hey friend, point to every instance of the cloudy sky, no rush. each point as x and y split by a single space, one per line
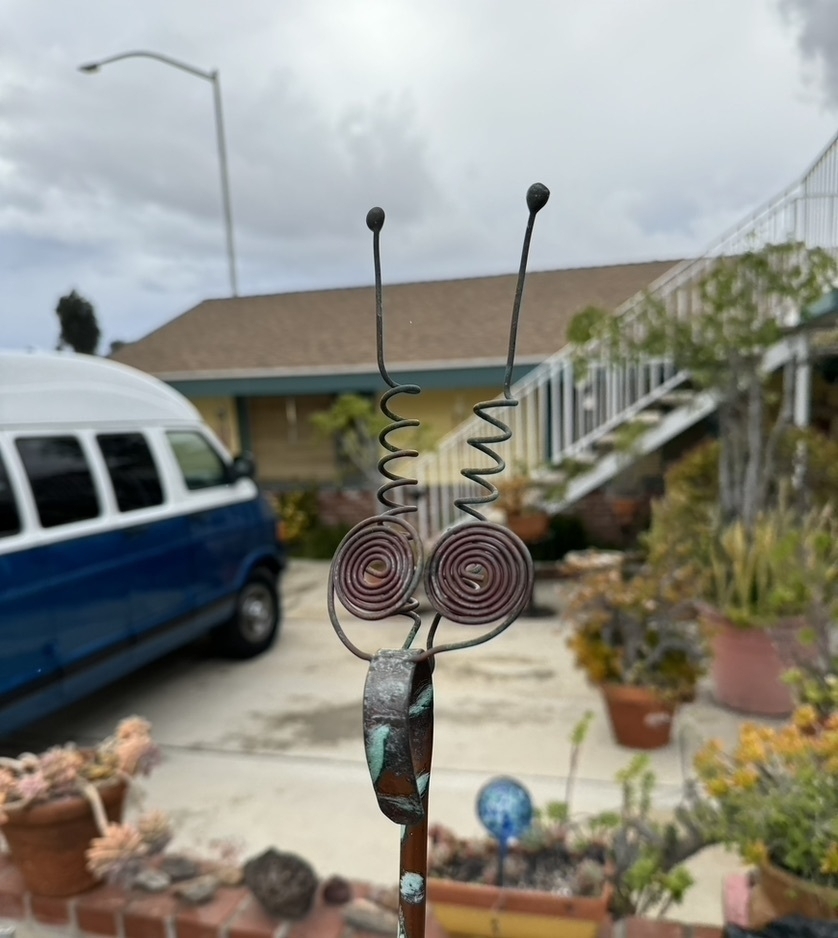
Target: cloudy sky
656 124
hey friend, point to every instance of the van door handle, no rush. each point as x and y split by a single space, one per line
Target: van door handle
137 531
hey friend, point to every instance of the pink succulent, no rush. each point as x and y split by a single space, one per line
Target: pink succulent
8 781
133 726
137 755
60 767
113 852
32 786
155 828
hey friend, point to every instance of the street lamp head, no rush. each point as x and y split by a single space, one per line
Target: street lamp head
91 68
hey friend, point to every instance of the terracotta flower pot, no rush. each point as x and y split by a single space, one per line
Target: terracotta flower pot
747 669
470 910
778 894
640 718
47 841
530 528
625 510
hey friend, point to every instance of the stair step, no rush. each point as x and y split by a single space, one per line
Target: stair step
649 418
677 398
645 419
588 459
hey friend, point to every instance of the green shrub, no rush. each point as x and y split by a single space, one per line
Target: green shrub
297 511
321 541
566 533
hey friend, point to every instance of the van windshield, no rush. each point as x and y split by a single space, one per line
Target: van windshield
201 466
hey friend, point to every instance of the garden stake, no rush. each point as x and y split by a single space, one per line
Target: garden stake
478 573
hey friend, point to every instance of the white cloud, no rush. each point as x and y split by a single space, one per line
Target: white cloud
655 124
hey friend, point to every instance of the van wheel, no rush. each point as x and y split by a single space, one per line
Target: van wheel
255 623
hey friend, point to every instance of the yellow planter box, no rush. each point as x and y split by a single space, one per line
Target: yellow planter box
467 910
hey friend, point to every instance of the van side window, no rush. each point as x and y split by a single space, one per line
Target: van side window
201 466
9 517
136 483
60 479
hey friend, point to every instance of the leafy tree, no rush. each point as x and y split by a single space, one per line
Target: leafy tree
354 423
79 328
741 304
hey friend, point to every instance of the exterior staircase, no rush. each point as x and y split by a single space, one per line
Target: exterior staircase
580 428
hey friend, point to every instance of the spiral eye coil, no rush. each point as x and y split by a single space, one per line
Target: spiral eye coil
377 567
479 573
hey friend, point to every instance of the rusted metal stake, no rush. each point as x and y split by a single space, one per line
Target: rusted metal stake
478 574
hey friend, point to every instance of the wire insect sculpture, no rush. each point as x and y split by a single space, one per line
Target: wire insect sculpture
477 574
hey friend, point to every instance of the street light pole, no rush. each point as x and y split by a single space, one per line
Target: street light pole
214 78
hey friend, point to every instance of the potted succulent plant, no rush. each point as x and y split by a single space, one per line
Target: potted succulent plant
755 584
568 874
520 497
60 811
551 879
777 797
638 639
764 584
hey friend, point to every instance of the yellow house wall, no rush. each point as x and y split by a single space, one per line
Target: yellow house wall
285 444
289 451
441 411
219 413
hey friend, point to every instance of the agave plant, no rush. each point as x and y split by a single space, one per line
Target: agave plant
779 568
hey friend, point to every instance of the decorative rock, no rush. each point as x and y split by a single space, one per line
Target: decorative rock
197 891
229 875
151 880
387 897
284 883
336 891
178 868
367 916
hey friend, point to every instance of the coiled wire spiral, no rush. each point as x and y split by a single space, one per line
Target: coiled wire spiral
537 196
481 572
378 565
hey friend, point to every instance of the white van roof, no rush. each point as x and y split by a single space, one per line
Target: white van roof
63 388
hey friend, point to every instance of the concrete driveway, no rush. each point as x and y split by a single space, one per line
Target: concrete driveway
269 752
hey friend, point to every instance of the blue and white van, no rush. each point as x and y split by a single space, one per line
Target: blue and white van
126 530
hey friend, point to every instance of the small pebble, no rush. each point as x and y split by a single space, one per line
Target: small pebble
336 891
229 875
367 916
178 868
197 891
387 897
151 880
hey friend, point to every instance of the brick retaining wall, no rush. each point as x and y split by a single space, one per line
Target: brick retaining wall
119 913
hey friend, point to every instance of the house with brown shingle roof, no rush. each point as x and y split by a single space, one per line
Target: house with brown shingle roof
258 367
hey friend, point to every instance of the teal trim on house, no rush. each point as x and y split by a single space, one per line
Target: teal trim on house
243 418
826 306
364 383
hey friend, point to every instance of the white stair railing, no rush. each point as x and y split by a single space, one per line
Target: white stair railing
562 414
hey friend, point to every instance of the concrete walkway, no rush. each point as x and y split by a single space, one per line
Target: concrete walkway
269 752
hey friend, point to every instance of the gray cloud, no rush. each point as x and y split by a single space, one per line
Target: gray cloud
654 129
817 25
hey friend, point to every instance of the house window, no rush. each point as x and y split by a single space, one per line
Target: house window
201 466
9 517
60 479
134 477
